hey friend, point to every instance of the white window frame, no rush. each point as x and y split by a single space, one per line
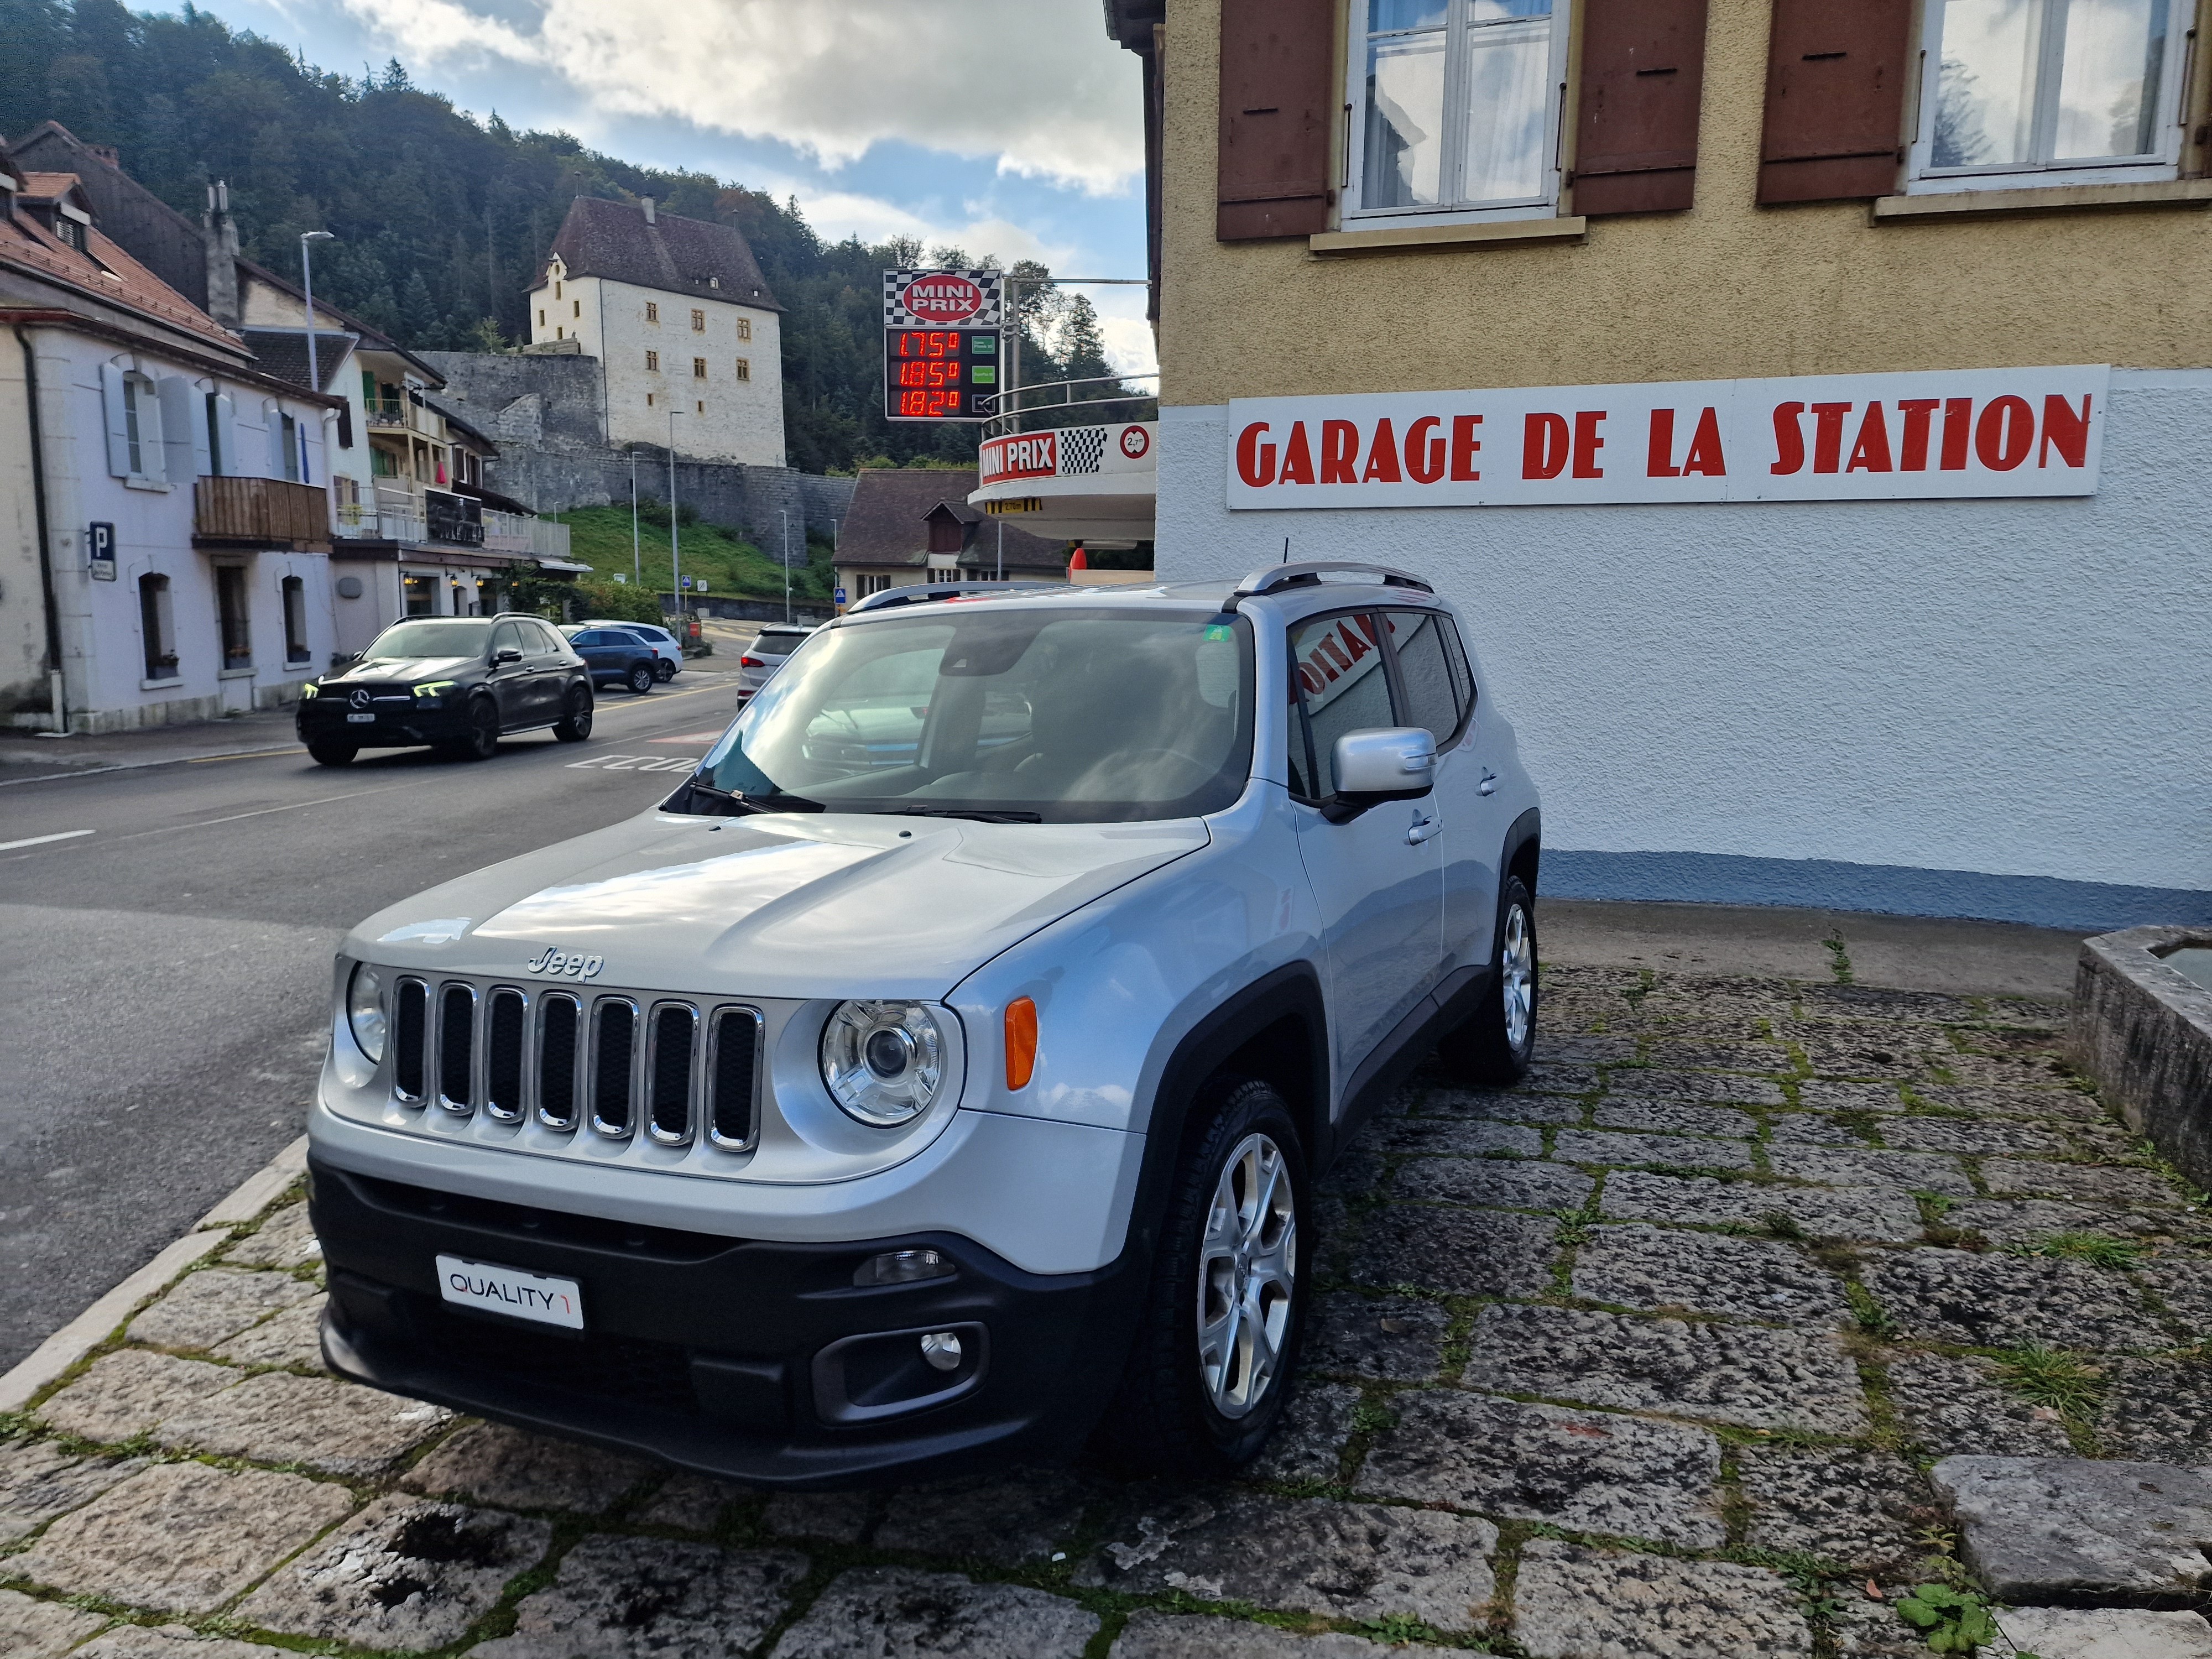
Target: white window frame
1923 179
1543 206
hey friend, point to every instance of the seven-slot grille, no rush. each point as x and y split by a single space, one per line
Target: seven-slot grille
675 1070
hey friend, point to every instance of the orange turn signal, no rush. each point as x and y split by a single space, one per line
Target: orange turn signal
1021 1041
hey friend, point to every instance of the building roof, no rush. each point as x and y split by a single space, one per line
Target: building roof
888 522
283 352
675 255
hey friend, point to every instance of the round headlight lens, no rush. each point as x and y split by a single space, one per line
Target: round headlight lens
365 1014
884 1062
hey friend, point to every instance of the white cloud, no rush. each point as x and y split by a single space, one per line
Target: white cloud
1035 85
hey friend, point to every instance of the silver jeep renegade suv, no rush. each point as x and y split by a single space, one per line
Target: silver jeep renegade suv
940 1074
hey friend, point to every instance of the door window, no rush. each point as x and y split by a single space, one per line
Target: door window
1342 688
505 637
1432 690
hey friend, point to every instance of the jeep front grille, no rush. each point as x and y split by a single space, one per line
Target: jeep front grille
680 1071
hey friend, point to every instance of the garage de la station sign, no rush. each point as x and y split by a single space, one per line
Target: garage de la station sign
1815 438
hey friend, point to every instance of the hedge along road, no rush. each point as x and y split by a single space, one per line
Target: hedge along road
166 974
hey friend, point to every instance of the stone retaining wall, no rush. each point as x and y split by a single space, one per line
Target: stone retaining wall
2144 1031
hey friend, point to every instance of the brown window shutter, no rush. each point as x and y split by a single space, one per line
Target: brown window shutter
1835 99
1636 121
1276 101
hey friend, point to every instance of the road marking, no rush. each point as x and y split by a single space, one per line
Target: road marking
40 840
251 754
261 812
690 737
636 763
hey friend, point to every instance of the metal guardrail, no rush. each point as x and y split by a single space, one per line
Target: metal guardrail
1067 398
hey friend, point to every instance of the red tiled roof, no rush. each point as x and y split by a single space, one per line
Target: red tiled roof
104 270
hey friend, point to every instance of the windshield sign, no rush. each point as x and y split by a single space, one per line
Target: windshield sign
462 637
1052 716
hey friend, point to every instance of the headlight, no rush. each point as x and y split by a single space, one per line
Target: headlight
884 1062
365 1014
308 691
435 688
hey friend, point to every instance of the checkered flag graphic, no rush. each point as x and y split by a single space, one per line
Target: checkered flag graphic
992 315
1082 449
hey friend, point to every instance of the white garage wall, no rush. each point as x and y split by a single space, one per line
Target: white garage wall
1982 708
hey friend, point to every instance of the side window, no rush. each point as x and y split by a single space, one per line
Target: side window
1339 669
505 637
547 641
1424 670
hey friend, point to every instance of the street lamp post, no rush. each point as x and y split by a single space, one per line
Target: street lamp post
307 284
636 558
675 552
784 513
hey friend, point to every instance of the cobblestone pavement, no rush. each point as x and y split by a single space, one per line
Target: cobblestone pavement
1758 1297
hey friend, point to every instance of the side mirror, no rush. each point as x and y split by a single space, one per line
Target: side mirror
505 654
1384 762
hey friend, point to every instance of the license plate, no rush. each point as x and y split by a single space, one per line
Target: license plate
511 1291
360 720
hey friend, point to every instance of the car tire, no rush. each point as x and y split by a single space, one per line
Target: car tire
1196 1400
640 678
663 669
331 754
483 740
575 724
1494 1044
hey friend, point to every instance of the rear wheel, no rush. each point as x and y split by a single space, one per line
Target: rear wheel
576 723
482 742
1219 1337
1495 1043
332 754
663 669
641 678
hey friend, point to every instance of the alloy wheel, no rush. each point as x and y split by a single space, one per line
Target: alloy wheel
1517 963
1248 1263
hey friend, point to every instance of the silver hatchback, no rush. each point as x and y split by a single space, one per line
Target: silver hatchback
765 655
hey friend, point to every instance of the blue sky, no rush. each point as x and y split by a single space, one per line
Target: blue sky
1005 126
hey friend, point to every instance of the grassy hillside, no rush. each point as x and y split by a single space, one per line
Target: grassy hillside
731 567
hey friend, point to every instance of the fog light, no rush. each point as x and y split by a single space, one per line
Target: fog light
942 1350
902 1268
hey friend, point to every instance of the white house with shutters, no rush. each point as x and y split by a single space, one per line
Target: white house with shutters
682 321
165 516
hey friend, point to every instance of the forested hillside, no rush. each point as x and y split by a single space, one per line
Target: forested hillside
441 222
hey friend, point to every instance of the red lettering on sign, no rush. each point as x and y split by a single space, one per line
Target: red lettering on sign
1383 456
1329 646
1353 642
1789 439
1464 443
2005 433
1871 452
1958 417
1828 436
1425 455
1543 446
1340 451
1298 456
1704 456
2065 431
1912 443
1587 443
1313 683
1659 455
1255 461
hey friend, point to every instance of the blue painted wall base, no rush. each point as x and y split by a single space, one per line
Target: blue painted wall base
1889 889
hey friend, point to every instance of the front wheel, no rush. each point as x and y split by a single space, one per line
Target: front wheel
331 754
1218 1336
575 724
482 742
641 678
1494 1045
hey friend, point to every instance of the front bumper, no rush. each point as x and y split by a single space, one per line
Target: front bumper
734 1358
316 723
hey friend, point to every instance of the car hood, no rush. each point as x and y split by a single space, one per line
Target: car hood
782 905
408 669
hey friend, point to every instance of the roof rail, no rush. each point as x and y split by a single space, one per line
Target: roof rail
922 593
1270 578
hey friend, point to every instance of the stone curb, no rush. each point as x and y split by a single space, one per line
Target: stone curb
89 1329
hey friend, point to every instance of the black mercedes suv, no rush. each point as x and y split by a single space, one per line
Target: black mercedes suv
458 683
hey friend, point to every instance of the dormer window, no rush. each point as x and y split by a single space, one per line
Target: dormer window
714 282
66 231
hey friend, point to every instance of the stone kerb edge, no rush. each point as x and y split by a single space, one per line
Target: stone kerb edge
55 1356
2143 1031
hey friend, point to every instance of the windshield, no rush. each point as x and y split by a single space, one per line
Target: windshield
459 638
1059 716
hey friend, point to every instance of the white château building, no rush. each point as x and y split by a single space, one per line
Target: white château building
682 321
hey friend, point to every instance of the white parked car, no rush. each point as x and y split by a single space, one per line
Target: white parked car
775 642
940 1074
667 650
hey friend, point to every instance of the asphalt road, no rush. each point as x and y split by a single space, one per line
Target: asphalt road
165 985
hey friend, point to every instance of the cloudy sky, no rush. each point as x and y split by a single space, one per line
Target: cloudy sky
1005 126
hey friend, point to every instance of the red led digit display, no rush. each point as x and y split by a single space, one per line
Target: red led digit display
941 374
929 405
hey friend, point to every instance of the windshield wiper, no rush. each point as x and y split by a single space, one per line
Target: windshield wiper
980 814
775 801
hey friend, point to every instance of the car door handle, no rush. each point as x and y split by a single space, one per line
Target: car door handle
1489 784
1422 828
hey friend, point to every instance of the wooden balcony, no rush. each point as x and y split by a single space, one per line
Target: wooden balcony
261 512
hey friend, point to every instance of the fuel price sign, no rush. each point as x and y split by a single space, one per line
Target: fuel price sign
941 345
